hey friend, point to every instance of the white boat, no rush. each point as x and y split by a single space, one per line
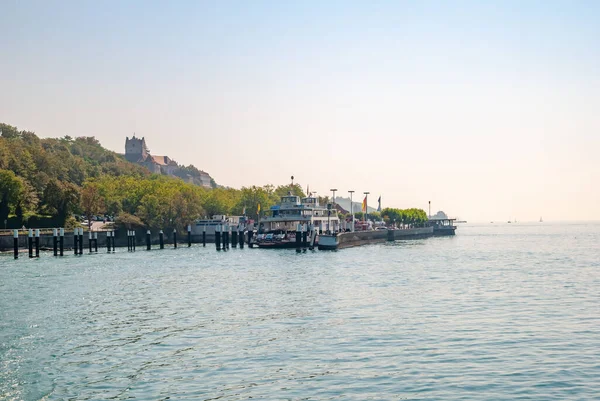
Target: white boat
278 230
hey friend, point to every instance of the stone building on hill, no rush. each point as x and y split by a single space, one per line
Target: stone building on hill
137 152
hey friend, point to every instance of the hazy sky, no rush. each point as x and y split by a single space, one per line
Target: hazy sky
491 110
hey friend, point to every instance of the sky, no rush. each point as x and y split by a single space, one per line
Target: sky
488 109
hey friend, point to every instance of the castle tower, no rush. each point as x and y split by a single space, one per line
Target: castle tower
135 149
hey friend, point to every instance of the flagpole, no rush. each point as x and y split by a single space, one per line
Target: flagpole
351 210
366 206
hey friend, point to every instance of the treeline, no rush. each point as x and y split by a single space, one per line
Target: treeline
404 217
160 202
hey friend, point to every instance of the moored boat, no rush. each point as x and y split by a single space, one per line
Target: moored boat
279 229
442 226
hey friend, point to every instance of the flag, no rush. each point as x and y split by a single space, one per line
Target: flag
258 209
364 205
379 201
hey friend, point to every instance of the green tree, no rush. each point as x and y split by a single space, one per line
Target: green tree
91 201
251 197
11 192
61 199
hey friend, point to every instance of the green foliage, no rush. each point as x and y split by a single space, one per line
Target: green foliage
11 192
129 221
50 172
91 201
404 217
159 202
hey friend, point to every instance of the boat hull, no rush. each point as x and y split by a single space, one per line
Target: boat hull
328 242
276 245
445 231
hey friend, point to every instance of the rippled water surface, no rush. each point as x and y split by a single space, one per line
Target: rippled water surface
498 312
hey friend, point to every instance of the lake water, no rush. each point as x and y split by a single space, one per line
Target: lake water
498 312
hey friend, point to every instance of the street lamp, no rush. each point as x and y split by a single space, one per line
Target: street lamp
329 218
366 205
333 190
351 211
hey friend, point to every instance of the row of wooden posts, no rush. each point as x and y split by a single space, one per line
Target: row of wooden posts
223 238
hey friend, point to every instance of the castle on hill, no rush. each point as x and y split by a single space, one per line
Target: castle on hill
137 152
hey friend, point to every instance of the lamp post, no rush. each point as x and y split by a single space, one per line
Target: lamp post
329 218
351 210
366 205
430 209
333 190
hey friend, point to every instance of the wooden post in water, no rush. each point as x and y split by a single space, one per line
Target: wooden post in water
148 242
37 242
108 241
90 241
133 240
55 241
218 237
241 235
61 241
81 241
175 238
161 239
204 235
224 236
298 238
16 243
304 236
313 235
96 241
250 235
75 244
30 242
189 227
233 237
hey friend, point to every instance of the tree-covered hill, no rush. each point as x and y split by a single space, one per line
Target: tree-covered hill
44 176
44 181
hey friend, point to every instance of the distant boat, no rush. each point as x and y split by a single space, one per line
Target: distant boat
541 221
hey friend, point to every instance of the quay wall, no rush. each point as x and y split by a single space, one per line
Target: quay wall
349 239
410 233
